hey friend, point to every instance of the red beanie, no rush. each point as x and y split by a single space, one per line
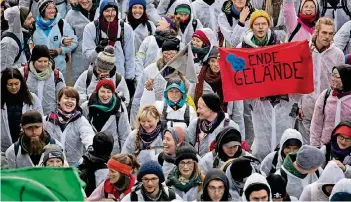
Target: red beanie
105 82
201 35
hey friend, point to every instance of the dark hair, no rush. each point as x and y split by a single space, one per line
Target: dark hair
143 19
108 87
69 92
14 73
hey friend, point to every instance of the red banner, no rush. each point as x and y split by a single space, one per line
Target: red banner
273 70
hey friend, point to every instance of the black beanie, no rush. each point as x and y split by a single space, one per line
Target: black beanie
345 75
231 135
185 151
171 44
24 12
103 144
212 101
40 51
255 187
278 186
241 168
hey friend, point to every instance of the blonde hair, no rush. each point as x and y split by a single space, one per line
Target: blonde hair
324 21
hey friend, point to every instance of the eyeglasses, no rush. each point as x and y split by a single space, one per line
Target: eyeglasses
188 163
216 189
342 138
153 180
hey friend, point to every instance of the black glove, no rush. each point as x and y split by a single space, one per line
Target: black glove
103 43
53 53
131 86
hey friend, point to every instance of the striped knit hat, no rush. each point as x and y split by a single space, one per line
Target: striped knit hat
106 59
42 4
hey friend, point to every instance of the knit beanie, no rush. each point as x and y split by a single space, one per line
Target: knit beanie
256 187
212 101
309 158
42 4
106 59
151 167
31 118
53 151
178 133
24 12
278 186
104 82
137 2
40 51
202 36
240 169
257 14
103 144
183 8
185 151
213 53
231 135
171 44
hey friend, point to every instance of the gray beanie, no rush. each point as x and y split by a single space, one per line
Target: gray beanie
53 151
309 157
106 59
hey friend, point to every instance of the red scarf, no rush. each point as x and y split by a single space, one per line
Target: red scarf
309 20
110 28
340 94
111 188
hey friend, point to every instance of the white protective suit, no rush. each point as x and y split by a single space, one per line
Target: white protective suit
343 185
256 178
331 175
339 16
266 164
343 37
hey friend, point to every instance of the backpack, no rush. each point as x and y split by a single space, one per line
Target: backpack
171 195
343 6
197 137
60 25
293 33
121 36
90 76
14 37
17 144
255 163
194 23
164 120
149 29
57 78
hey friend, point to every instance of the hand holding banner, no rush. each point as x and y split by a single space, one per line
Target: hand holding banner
259 72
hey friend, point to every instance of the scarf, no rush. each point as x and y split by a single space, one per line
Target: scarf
110 28
112 189
214 80
65 118
168 158
309 20
161 36
41 76
174 179
200 53
289 166
148 138
43 24
207 126
339 93
258 42
106 107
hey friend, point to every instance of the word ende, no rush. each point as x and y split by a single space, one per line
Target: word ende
272 70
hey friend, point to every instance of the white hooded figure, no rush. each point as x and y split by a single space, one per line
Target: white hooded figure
187 19
321 189
256 188
338 11
343 37
207 11
290 141
341 191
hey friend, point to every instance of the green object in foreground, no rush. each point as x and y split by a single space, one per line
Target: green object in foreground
41 184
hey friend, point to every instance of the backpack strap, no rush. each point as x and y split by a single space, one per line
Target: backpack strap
133 196
57 78
60 25
88 80
160 159
317 173
14 37
25 72
187 115
121 36
226 122
284 175
16 147
171 194
97 32
274 163
194 23
171 2
149 29
327 93
297 28
118 79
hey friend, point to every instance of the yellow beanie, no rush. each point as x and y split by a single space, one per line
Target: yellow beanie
257 14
